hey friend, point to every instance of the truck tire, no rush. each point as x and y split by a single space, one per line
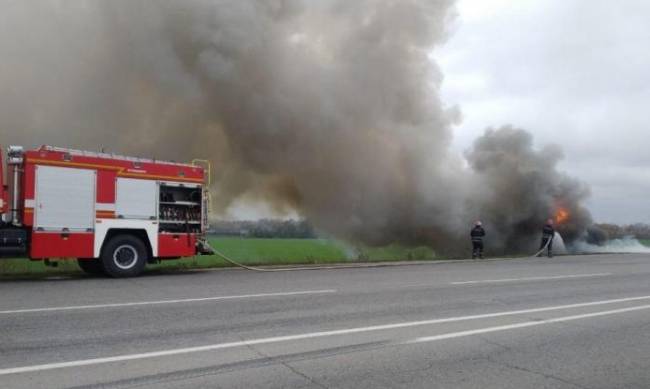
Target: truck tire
90 265
124 256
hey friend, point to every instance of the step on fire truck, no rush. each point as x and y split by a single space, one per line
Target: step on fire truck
114 214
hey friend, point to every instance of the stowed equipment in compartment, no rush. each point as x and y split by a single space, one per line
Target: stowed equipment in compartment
180 208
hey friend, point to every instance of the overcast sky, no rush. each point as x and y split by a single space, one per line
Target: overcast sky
572 72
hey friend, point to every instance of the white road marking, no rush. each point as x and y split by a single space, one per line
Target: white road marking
160 302
310 335
524 324
531 278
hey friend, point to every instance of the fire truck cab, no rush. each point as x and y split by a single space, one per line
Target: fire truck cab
114 214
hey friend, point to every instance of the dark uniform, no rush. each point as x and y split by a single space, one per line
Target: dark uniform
477 235
548 233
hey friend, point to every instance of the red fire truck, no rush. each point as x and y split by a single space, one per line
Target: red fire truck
114 214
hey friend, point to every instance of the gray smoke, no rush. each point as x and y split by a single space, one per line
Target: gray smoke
517 188
330 108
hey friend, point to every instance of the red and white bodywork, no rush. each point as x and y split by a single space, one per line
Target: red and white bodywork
70 203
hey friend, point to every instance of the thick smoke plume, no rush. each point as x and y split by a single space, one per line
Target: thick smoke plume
517 188
329 108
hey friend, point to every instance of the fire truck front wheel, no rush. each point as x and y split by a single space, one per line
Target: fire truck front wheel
124 256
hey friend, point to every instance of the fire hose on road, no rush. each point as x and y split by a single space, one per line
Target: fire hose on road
235 263
548 242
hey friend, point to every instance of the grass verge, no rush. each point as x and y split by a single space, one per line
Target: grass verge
249 251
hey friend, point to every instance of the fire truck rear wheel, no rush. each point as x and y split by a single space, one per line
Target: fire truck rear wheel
90 265
124 256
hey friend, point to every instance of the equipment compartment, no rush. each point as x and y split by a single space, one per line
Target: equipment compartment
180 208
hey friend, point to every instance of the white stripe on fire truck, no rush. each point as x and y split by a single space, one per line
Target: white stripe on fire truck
105 207
30 203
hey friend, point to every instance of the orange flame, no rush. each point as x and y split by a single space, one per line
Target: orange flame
562 215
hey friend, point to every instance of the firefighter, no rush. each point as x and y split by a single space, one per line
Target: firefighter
477 235
548 233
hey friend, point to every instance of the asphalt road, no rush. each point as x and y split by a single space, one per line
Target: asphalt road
568 322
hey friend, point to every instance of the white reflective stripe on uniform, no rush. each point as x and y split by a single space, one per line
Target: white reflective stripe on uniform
105 207
29 203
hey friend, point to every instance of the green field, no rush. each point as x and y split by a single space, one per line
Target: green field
250 252
645 242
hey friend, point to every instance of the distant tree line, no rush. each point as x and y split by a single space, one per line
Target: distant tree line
263 228
615 231
301 229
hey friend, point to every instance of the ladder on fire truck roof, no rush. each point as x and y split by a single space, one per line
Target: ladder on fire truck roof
109 156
